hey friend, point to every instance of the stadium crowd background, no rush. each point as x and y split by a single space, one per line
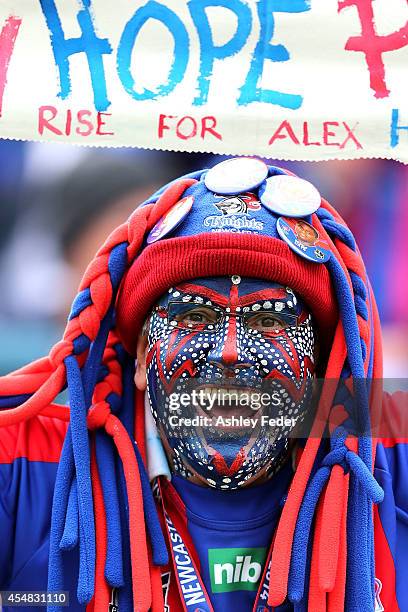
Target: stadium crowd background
59 202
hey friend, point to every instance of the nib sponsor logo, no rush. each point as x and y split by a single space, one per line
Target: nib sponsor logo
235 569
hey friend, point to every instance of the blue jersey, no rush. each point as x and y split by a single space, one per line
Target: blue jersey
232 532
29 455
391 526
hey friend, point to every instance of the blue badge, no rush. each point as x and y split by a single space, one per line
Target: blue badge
289 195
303 239
236 175
172 219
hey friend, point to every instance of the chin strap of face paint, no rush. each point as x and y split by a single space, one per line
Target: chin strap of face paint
103 509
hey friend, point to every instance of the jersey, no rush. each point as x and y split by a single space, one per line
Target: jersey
29 454
231 533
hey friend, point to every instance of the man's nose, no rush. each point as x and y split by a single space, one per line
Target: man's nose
226 354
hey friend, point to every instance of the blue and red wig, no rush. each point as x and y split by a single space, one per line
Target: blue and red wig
323 556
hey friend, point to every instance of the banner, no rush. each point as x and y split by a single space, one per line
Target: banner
288 79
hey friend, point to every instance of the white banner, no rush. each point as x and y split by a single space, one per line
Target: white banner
288 79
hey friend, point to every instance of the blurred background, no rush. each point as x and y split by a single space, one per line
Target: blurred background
58 203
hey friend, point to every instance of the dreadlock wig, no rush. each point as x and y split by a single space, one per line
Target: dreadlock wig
103 509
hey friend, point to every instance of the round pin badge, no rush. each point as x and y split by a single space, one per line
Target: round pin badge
236 175
172 219
290 196
303 239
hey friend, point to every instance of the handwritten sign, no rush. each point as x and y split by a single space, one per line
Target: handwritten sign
290 79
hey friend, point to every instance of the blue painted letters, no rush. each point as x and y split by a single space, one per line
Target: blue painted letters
88 43
209 52
153 10
251 91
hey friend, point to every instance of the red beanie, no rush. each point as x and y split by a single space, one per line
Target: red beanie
170 261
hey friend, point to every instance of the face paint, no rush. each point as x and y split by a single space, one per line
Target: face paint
228 338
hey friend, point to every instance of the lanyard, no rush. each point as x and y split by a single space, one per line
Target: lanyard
192 591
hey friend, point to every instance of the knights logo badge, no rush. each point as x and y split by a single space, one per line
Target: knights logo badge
238 204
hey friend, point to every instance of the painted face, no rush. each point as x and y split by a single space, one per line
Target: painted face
224 343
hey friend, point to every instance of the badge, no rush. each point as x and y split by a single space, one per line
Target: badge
171 219
243 204
236 175
304 239
290 196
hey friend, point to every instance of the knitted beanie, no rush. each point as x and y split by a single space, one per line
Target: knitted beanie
103 506
209 242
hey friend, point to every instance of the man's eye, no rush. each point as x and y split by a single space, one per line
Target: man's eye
266 322
197 317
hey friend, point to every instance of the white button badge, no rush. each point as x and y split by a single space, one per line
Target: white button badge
290 196
236 175
171 219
